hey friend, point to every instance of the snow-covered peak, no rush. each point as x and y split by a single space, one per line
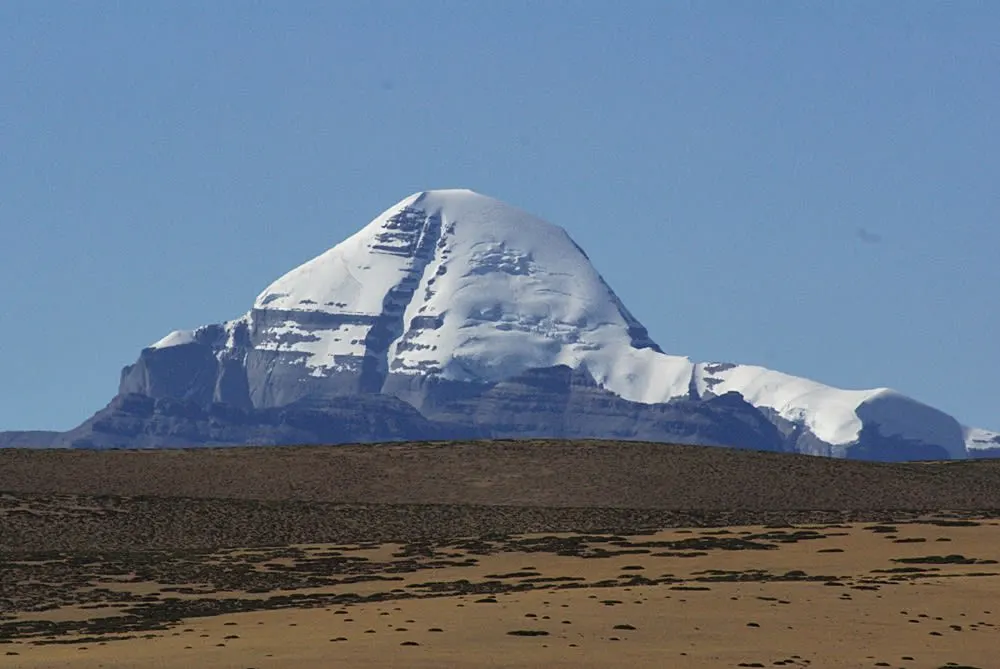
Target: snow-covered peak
470 288
355 275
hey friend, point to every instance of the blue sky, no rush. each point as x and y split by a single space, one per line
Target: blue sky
813 187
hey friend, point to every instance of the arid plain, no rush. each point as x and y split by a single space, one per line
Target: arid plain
499 554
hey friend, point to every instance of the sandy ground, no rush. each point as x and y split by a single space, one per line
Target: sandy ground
914 595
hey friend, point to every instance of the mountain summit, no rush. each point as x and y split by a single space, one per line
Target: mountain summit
460 286
453 314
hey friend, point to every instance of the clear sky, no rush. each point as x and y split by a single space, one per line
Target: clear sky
809 186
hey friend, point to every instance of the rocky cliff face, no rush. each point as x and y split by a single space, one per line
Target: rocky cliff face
454 315
550 402
140 421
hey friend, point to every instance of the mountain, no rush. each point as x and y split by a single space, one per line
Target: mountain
29 439
452 315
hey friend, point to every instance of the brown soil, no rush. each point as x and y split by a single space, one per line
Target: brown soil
622 475
916 595
501 554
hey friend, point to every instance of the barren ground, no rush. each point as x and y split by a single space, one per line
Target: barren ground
497 554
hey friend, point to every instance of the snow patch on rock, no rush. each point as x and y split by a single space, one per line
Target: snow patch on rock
978 438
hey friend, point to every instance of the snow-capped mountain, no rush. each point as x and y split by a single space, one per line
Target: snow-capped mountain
484 317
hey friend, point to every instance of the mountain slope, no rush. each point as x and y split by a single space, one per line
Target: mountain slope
449 298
